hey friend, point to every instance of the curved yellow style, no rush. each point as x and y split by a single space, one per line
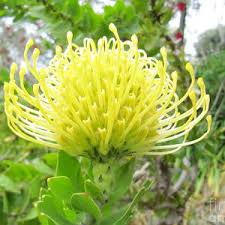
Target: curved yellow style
102 99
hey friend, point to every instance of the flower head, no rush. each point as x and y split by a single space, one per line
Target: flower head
179 36
104 99
181 6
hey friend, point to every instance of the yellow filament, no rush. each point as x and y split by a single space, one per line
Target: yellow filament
105 96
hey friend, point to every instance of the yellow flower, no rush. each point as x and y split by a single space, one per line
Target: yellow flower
102 99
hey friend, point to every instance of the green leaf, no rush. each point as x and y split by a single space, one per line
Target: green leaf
93 189
72 7
199 182
90 18
34 187
4 75
8 185
167 16
129 212
140 6
58 195
53 210
123 178
32 214
3 13
121 216
44 220
61 187
3 216
44 191
112 214
159 5
70 214
123 16
21 172
38 12
51 159
5 203
84 202
58 4
40 166
70 167
12 3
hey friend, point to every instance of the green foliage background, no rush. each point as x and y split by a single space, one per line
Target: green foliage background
194 174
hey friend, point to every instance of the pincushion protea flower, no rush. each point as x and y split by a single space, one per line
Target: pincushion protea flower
102 99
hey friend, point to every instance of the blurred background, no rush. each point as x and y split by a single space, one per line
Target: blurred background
189 186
